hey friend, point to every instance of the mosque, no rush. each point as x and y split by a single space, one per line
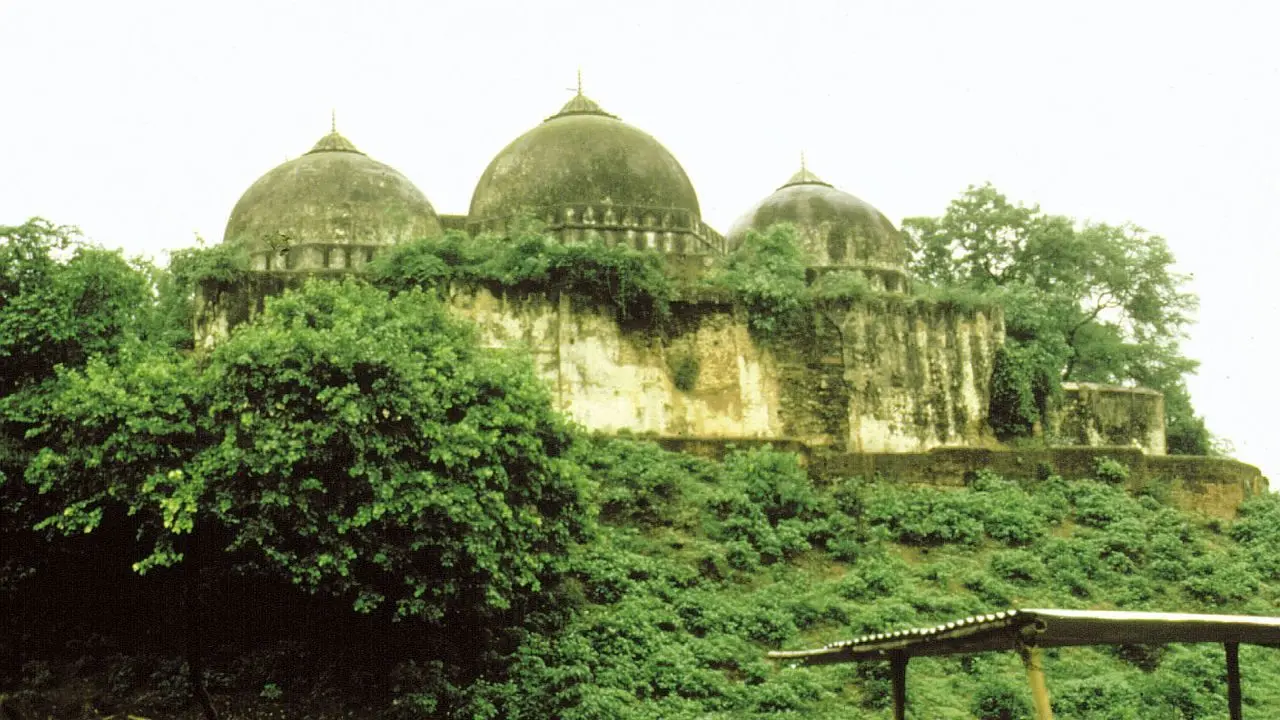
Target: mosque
893 373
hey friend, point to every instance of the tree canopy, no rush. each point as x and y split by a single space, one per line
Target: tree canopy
353 443
62 300
1084 301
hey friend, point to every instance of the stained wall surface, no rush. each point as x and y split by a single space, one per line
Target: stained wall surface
879 376
1098 415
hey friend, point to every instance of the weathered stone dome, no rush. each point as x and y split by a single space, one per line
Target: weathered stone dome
834 228
334 207
584 171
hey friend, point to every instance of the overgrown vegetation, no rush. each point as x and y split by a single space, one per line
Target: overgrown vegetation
1083 302
629 280
348 444
768 276
699 567
348 508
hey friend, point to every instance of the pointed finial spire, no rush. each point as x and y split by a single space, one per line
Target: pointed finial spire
580 104
333 120
804 177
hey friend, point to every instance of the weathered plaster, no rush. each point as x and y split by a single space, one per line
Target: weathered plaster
1093 414
894 376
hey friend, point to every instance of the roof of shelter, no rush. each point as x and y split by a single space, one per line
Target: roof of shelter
1011 629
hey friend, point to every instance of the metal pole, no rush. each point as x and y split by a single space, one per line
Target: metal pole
898 669
1034 662
1233 679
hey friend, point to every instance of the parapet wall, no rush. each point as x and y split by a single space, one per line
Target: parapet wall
875 375
1213 486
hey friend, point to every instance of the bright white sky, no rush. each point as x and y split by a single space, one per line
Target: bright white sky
142 122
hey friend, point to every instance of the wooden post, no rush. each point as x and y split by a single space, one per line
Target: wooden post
1233 679
898 669
1034 663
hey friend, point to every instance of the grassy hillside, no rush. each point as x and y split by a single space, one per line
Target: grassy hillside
699 567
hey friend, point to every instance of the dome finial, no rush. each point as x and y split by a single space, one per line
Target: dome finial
804 177
333 142
580 104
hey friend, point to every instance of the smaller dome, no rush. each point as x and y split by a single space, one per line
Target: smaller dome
334 207
834 228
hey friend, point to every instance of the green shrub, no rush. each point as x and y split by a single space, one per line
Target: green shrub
1217 581
842 286
1022 385
1000 698
639 481
1110 470
1018 566
766 274
925 517
874 578
1099 696
1098 505
632 281
684 367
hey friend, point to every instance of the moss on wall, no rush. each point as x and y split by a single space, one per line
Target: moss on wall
1094 414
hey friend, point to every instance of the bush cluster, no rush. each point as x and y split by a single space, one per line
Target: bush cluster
633 282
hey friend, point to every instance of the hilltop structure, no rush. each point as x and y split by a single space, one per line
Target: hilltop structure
890 372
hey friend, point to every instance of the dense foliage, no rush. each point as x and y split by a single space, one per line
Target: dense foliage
349 442
1083 302
631 281
767 275
369 515
701 566
62 301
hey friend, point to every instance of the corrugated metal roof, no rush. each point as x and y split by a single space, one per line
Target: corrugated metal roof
1009 629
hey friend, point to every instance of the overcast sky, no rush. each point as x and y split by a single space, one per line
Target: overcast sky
143 122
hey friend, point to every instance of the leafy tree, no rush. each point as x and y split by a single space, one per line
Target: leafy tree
357 445
1083 301
62 300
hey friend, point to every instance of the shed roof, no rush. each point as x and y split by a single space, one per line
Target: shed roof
1010 629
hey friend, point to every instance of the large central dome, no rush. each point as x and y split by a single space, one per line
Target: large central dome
584 171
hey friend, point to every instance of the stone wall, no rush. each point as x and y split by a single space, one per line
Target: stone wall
1099 415
879 375
1213 486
